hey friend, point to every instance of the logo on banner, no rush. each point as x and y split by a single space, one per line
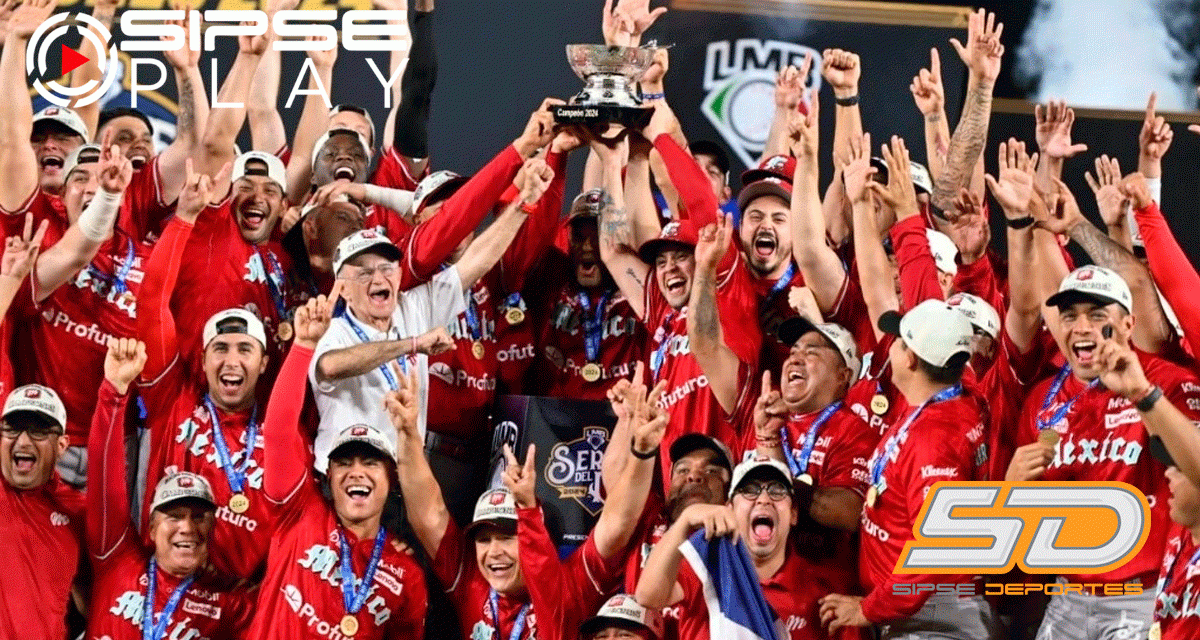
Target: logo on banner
41 43
740 79
574 468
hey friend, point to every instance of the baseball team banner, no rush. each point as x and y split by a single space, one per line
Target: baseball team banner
571 436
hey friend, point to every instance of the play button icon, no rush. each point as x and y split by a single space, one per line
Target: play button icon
72 59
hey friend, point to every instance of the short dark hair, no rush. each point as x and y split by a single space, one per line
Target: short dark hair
951 373
119 112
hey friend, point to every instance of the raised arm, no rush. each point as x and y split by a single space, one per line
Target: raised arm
842 70
930 96
1052 131
706 336
262 114
617 248
1014 191
108 520
489 247
789 89
18 163
20 252
658 587
982 55
220 133
875 273
104 12
410 118
1112 203
424 506
314 121
823 272
191 121
1169 264
537 235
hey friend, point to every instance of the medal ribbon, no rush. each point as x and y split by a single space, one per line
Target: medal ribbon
275 282
383 368
355 598
810 440
117 281
1055 387
150 629
514 301
660 354
236 477
593 324
518 624
879 462
472 315
780 284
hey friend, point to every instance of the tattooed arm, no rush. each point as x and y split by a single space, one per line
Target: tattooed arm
617 248
706 338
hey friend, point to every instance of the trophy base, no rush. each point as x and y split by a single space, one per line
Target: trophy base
598 117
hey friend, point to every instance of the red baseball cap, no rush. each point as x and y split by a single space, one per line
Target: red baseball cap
779 166
672 234
770 186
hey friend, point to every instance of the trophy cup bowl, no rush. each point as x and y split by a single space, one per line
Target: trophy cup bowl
610 94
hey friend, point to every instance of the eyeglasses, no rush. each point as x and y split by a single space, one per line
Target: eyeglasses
775 490
365 276
37 434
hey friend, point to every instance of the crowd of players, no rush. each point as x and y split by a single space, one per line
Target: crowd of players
273 371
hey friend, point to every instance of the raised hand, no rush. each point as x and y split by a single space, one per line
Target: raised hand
969 229
256 45
639 19
197 191
124 361
28 16
841 69
983 50
404 405
182 58
312 320
20 252
6 11
323 59
435 341
1122 371
804 132
789 86
1156 134
713 243
1135 190
1061 215
116 171
539 130
858 171
520 478
716 519
533 179
1106 185
899 194
926 87
769 413
658 69
1053 130
1014 188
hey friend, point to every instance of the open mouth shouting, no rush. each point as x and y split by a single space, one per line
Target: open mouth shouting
231 382
253 215
358 494
52 164
380 296
344 172
24 461
765 244
676 285
762 528
500 569
1084 352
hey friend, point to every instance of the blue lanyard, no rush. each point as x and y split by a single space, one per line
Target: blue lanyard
593 324
518 624
473 317
150 629
810 440
781 284
354 598
660 354
1055 387
880 462
236 477
383 368
514 301
117 281
275 282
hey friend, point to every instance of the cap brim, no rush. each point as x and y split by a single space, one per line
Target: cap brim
197 499
444 191
1071 296
1159 452
762 188
387 250
889 322
360 444
598 623
499 523
792 329
690 442
650 249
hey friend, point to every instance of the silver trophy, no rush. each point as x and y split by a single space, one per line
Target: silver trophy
611 94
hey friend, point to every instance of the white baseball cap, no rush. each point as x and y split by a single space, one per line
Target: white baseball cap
623 611
1096 284
754 464
241 321
274 167
978 312
934 330
435 183
353 108
360 242
180 486
919 174
794 328
496 507
362 434
944 251
35 398
64 116
325 137
83 154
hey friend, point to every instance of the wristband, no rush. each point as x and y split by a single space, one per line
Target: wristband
846 102
653 453
1146 402
96 221
530 208
653 96
1019 223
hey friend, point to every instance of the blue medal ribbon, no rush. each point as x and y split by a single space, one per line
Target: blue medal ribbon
152 630
236 477
660 354
1055 387
383 368
118 280
593 324
810 441
514 301
275 283
518 624
472 315
780 284
879 463
352 597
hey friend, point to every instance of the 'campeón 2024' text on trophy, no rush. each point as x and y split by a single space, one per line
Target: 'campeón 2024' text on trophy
610 95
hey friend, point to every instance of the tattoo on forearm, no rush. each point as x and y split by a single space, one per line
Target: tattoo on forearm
634 278
965 146
1106 252
187 108
703 309
614 222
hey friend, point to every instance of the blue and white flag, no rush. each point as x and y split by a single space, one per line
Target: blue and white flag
737 609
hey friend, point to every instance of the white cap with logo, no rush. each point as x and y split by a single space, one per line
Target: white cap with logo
1092 283
934 330
978 312
237 320
944 251
496 506
83 154
36 399
64 116
623 611
180 486
362 434
756 463
360 242
274 167
794 328
433 183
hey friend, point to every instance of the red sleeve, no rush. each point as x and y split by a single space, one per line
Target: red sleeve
980 279
433 240
883 604
846 461
1172 271
537 234
408 621
286 458
449 564
700 205
108 510
918 273
156 323
1007 383
1184 392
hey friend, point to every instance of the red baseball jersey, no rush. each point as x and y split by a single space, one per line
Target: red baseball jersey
850 311
143 210
940 444
1102 437
874 398
1177 604
392 172
774 307
650 531
562 593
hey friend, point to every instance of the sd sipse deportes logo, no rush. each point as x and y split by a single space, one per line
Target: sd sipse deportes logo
574 468
41 44
740 79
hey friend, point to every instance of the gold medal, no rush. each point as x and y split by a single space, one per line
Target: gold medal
872 496
284 330
477 350
805 478
349 625
591 372
514 316
1048 437
879 404
239 503
1156 631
